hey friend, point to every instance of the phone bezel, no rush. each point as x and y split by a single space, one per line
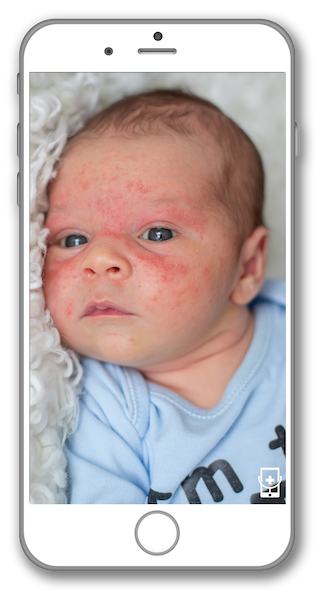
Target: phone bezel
33 518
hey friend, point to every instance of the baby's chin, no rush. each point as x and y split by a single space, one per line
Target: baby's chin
123 352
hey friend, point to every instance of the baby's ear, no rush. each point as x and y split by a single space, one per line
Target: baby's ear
252 265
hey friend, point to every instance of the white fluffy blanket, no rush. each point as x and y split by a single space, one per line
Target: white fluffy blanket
60 105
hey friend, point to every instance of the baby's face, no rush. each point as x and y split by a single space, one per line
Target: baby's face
141 261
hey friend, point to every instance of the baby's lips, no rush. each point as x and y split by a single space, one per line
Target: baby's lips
95 307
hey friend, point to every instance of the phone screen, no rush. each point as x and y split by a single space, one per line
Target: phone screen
157 200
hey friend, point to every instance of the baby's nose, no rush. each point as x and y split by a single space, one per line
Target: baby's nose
103 260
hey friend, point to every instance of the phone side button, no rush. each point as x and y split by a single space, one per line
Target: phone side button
296 140
157 533
17 82
18 140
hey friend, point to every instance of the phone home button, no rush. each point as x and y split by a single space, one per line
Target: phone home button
157 532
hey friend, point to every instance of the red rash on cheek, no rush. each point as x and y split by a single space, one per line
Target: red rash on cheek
172 282
84 185
59 290
162 269
205 272
68 309
58 276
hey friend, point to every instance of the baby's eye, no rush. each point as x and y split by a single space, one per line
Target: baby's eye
72 241
158 234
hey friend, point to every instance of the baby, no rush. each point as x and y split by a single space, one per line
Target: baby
155 264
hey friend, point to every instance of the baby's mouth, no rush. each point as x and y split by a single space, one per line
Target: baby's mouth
100 309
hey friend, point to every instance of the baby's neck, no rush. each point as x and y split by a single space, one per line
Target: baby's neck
202 375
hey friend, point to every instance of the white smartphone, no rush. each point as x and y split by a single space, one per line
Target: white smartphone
156 193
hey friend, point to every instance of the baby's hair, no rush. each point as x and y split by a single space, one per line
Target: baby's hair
239 184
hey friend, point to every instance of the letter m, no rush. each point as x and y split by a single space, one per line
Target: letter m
206 473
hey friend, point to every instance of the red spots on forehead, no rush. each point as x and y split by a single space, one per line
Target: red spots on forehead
136 186
60 200
84 168
99 204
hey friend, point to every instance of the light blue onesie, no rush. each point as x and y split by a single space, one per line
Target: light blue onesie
138 442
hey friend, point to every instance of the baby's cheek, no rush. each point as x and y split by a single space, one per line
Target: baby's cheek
172 284
58 289
186 293
191 289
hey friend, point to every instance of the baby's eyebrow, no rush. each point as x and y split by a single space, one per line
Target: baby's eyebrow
54 218
176 212
57 219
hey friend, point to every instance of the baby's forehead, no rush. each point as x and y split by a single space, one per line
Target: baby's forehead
198 151
161 171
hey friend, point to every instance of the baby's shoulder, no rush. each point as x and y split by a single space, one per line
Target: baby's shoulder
273 293
115 391
269 310
269 307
